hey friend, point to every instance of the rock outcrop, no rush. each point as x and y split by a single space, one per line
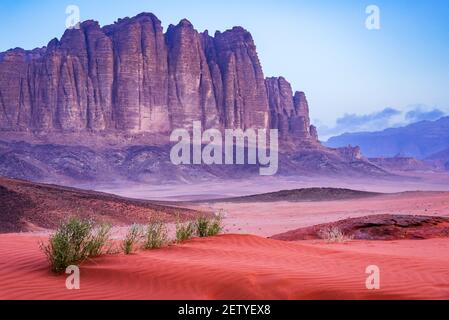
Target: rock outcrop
377 227
289 113
132 77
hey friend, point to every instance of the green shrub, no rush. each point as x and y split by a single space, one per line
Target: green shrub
202 227
156 235
132 239
208 227
184 231
215 226
73 242
100 237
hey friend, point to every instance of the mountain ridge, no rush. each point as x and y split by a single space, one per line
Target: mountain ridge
419 140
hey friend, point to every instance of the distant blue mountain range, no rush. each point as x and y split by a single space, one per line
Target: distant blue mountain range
420 140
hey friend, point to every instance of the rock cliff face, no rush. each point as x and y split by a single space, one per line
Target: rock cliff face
132 77
289 113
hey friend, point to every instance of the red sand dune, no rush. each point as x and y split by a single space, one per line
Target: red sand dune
236 267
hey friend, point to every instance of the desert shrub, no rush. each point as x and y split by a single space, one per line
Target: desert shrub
333 234
156 235
132 239
184 231
73 242
202 226
215 225
208 227
99 240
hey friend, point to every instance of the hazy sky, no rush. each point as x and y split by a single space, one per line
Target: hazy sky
322 46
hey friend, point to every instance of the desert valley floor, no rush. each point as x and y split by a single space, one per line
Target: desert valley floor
245 263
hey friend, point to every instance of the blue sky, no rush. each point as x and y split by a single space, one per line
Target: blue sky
322 46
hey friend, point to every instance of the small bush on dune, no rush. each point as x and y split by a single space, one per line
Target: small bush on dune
132 239
215 226
333 234
100 237
156 235
202 227
184 231
208 227
73 242
59 251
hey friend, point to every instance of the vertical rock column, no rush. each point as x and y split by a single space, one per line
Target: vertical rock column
245 101
281 104
140 87
191 91
288 113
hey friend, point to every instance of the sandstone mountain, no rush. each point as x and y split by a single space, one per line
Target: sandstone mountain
132 77
100 103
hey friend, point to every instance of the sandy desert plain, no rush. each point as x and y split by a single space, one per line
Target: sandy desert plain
245 262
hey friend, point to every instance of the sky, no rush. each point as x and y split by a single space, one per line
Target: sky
322 47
